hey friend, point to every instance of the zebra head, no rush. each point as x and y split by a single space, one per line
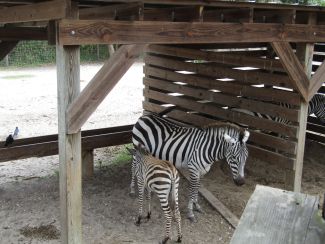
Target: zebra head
236 154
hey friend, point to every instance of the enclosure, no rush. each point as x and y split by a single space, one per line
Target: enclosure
222 60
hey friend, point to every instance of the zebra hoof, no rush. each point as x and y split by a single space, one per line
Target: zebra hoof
199 210
138 222
179 239
192 219
132 194
164 241
148 216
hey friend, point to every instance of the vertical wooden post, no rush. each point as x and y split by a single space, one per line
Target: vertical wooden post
68 80
87 164
305 55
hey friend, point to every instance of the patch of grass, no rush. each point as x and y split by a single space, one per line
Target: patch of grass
42 232
123 156
16 77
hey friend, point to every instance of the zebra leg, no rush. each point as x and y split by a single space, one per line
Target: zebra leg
132 185
149 203
194 188
197 207
141 193
168 217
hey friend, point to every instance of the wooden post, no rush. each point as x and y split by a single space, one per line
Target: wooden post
305 55
68 79
87 164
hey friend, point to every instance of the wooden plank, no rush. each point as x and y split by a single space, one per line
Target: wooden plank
6 48
49 10
215 203
275 216
49 148
102 83
293 67
22 33
188 13
226 87
79 32
316 128
87 164
223 58
224 99
315 137
248 76
129 11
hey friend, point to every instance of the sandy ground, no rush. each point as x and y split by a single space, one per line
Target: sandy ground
29 194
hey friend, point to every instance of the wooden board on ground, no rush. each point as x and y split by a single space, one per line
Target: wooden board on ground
277 216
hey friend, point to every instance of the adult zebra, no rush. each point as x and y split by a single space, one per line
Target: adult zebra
192 148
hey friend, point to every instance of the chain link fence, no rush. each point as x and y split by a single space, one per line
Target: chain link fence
34 53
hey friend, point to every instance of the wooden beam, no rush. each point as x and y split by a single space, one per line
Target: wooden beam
293 67
49 10
129 11
22 33
78 32
6 48
102 83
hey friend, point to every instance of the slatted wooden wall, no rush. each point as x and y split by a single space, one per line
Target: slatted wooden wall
206 84
315 129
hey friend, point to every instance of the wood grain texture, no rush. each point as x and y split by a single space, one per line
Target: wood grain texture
277 216
49 10
78 32
293 67
102 83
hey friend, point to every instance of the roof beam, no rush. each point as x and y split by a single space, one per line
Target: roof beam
50 10
293 67
102 83
22 33
79 32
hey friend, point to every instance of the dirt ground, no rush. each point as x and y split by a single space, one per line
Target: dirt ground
29 193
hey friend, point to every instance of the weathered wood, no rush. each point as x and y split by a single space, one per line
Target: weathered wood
129 11
79 32
49 10
226 87
250 77
6 48
294 68
22 33
316 81
224 58
276 216
102 83
224 99
215 203
223 114
199 120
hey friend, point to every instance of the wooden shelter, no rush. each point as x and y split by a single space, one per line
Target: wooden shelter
216 60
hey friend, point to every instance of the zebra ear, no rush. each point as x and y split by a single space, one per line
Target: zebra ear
246 135
229 138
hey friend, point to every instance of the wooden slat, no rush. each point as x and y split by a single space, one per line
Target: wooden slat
188 13
223 99
78 32
224 58
129 11
225 87
316 128
276 216
294 68
48 148
222 113
48 10
317 80
212 70
6 48
102 83
199 120
315 137
22 33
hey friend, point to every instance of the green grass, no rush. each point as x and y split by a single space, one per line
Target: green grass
15 77
123 156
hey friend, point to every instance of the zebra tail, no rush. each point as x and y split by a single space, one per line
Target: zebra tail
173 193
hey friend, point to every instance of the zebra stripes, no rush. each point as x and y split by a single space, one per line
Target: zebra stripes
194 149
317 106
162 178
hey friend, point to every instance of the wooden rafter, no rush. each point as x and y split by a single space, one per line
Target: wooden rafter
102 83
78 32
293 67
22 33
49 10
6 48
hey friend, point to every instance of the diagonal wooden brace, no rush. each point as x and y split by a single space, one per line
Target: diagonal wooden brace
102 83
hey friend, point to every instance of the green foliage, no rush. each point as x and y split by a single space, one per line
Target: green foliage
123 156
34 53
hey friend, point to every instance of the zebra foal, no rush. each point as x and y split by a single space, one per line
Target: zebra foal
154 175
